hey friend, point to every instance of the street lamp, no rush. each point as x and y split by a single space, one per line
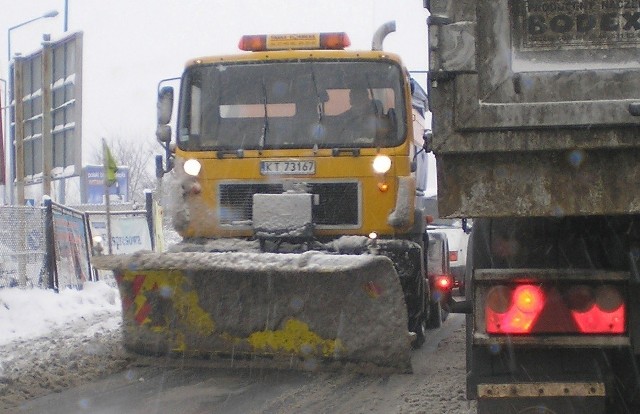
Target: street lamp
52 13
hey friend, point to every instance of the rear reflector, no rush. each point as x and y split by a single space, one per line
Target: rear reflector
453 256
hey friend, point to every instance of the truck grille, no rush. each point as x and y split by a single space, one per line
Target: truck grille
337 203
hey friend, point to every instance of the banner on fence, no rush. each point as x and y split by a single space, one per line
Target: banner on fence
71 248
129 234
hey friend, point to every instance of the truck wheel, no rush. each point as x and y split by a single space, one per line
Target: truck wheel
444 311
435 315
419 319
420 332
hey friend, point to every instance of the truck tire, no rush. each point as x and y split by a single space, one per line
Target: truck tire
418 322
435 315
421 336
411 269
444 312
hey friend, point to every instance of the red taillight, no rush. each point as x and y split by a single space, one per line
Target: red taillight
536 309
529 298
453 256
597 321
443 282
606 315
521 306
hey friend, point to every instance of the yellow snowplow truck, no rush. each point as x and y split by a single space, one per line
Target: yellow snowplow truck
301 240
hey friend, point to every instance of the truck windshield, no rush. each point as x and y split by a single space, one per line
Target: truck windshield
323 104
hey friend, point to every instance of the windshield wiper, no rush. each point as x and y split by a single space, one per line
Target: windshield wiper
265 125
318 98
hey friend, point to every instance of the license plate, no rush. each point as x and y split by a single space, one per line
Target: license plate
287 167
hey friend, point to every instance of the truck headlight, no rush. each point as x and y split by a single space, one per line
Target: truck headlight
192 167
381 164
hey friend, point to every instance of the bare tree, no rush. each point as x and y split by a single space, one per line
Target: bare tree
138 155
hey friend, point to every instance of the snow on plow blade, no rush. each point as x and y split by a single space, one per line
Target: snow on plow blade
304 310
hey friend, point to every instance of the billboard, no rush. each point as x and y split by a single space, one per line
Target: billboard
46 89
93 185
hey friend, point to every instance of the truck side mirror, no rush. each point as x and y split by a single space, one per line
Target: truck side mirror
165 105
163 133
427 137
467 226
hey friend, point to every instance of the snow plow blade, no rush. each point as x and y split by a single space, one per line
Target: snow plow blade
302 311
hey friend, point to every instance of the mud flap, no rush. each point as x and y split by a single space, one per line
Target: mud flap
305 309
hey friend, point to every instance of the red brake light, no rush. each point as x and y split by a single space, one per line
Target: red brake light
443 282
529 298
596 321
607 316
453 256
523 306
539 309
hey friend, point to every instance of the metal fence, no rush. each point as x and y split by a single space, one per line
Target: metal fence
22 247
50 246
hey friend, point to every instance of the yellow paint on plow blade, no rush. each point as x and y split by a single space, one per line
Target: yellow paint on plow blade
168 285
152 287
296 337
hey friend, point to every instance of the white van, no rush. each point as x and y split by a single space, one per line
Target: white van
456 236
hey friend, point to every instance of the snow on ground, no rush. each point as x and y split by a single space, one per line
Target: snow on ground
30 313
51 341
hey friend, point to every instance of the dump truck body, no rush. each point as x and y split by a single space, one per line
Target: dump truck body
535 131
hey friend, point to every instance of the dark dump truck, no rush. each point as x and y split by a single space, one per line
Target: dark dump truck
536 109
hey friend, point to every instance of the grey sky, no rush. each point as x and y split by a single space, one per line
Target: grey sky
129 45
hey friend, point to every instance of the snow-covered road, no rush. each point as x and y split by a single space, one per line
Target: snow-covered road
76 364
